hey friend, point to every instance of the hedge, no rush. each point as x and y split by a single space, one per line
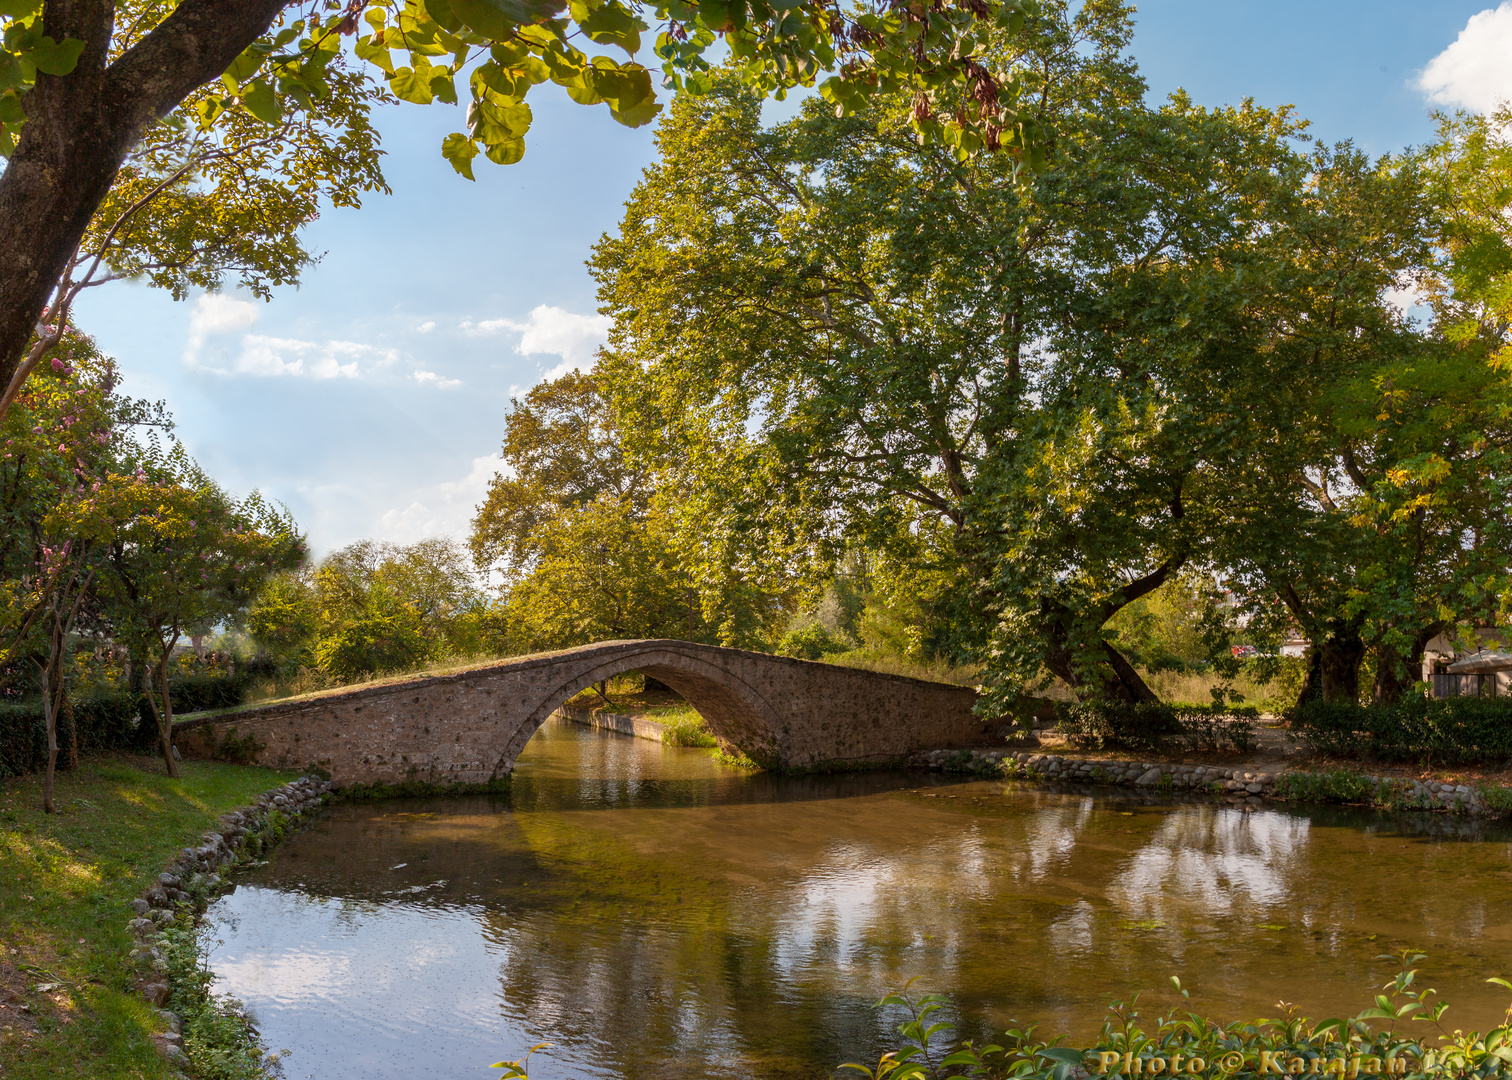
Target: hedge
107 722
1456 730
120 721
1151 725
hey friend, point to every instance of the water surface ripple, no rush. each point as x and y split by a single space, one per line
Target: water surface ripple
658 916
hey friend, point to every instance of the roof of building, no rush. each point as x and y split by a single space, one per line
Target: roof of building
1483 660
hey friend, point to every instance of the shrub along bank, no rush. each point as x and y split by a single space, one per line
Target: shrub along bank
69 1005
1156 725
1376 1042
1448 731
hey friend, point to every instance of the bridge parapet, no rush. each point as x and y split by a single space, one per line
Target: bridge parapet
469 726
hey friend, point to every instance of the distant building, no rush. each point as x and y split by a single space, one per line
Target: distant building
1485 672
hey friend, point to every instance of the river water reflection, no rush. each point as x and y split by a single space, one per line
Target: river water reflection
656 915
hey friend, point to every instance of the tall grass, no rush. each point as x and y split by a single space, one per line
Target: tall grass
889 664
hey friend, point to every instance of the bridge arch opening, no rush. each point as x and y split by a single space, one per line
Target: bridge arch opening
734 711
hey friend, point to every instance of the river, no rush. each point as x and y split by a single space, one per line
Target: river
655 915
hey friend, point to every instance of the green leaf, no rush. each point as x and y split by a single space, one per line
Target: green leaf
492 123
623 86
259 100
56 58
637 115
565 68
11 111
20 9
413 84
609 24
498 18
246 65
506 153
444 88
459 150
378 55
445 16
1064 1053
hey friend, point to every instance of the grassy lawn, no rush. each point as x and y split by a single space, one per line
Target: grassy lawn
67 1001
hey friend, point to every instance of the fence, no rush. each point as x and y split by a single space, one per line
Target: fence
1449 684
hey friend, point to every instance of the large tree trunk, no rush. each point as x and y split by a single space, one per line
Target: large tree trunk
1128 684
1121 681
1333 665
80 128
1394 672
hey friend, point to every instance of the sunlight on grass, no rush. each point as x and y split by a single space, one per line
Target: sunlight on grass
65 880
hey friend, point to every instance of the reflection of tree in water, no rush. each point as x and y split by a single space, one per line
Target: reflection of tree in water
714 928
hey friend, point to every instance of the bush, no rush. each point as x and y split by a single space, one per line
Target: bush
105 722
381 640
1240 1049
193 693
1340 786
810 642
1153 725
1415 728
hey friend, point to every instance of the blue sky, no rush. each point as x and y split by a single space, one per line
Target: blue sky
371 399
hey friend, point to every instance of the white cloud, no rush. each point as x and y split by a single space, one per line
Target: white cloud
426 327
1405 298
439 381
551 331
444 509
216 315
289 356
213 314
1474 71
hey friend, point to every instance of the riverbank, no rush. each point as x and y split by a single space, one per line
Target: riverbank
1251 780
69 1004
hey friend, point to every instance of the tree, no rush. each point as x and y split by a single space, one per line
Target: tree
82 81
563 448
881 346
371 607
284 618
1388 504
60 441
590 545
191 204
177 551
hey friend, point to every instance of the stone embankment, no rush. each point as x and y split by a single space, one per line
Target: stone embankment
182 892
1252 783
594 717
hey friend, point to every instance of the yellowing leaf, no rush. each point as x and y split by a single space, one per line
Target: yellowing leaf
413 84
506 153
459 150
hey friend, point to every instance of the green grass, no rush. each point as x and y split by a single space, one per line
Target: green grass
65 881
684 726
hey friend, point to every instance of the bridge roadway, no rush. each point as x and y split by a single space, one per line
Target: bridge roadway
468 727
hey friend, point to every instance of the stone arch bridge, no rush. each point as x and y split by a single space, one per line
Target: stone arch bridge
467 727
